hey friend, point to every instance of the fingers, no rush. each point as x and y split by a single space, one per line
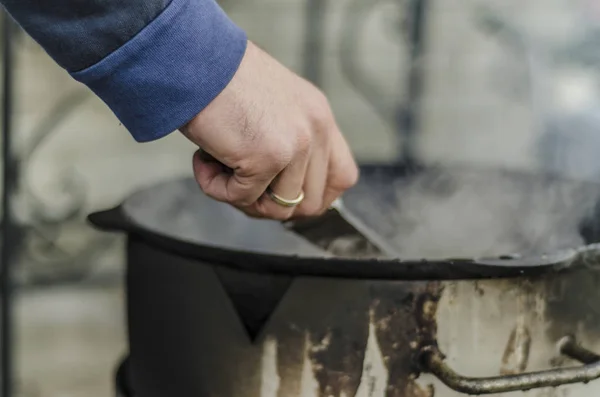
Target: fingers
223 184
322 168
209 174
287 185
248 193
331 171
343 172
316 179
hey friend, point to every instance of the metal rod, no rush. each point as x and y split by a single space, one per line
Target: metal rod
354 19
313 41
408 122
570 348
8 246
433 361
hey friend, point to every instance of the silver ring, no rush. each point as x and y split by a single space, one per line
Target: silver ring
284 202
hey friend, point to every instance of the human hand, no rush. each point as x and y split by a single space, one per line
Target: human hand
270 129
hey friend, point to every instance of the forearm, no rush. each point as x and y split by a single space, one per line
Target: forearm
156 63
77 34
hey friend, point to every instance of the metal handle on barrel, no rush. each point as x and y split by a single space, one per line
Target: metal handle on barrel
432 361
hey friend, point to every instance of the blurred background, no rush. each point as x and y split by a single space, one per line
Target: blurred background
500 82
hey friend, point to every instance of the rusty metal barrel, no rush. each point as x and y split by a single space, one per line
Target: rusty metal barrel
223 305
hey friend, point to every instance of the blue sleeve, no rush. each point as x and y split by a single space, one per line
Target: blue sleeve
155 63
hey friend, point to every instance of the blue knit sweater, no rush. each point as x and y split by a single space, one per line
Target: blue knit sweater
155 63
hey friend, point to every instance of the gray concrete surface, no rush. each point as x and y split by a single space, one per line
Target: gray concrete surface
70 338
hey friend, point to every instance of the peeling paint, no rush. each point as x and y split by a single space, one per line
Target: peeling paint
335 364
374 375
516 353
269 376
308 384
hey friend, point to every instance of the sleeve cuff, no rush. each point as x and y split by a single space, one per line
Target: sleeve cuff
171 70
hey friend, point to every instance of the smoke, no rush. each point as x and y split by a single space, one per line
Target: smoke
445 213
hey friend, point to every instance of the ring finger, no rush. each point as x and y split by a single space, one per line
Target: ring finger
286 186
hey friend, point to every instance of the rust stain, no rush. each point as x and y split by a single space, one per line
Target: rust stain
290 358
404 322
478 289
403 315
426 311
570 304
337 352
516 353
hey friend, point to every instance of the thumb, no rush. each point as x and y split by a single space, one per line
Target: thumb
223 184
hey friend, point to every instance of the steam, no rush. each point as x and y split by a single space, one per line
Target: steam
446 213
436 214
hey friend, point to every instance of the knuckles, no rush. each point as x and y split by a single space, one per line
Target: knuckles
268 149
304 141
321 113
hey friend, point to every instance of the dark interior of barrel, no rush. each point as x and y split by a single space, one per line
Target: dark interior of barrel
431 213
